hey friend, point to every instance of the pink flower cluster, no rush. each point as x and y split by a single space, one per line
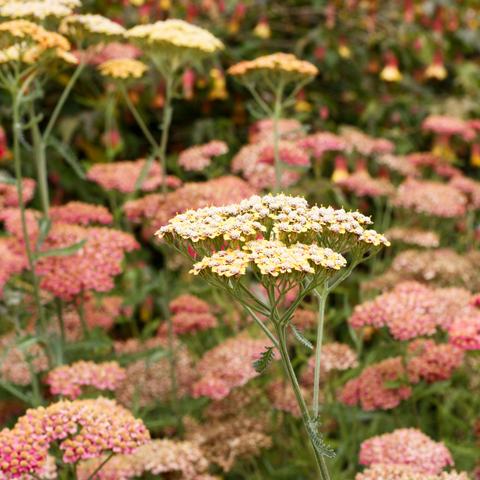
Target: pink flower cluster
123 176
13 223
412 310
255 163
431 362
431 198
365 145
363 185
111 51
13 258
289 129
435 162
227 366
282 397
465 332
200 156
470 188
84 428
398 164
448 125
335 356
382 471
190 315
81 213
157 210
69 380
370 391
406 446
9 193
91 268
414 236
321 142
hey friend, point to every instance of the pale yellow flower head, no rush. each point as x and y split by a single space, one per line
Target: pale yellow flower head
175 39
123 68
91 28
35 9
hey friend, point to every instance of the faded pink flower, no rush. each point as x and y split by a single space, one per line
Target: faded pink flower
369 389
81 213
398 164
200 156
123 176
9 193
406 446
362 184
14 260
465 332
414 236
448 125
365 144
322 142
289 129
470 188
382 471
69 380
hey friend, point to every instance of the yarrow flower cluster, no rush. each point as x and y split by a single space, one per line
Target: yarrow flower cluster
448 125
322 142
370 391
431 198
85 429
364 144
263 130
190 314
412 310
91 28
227 366
124 176
81 213
9 193
465 332
174 38
398 164
35 9
414 236
362 184
276 66
406 446
69 380
200 156
385 471
13 258
122 68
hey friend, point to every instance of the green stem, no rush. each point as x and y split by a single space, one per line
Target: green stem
167 118
139 119
63 338
318 354
40 160
14 391
100 466
81 313
280 330
31 260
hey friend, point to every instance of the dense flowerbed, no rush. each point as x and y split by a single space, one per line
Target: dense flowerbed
239 240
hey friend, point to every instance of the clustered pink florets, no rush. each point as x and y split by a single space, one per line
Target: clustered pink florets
321 142
81 213
123 176
200 156
227 366
9 193
69 380
406 446
13 260
382 471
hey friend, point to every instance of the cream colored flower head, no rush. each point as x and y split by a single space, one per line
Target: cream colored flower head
91 28
123 68
35 9
175 37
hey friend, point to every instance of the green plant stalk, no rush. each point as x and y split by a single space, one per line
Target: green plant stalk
166 121
280 330
31 260
14 391
63 340
318 351
100 466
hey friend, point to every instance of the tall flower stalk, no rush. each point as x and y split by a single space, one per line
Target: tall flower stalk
272 75
298 251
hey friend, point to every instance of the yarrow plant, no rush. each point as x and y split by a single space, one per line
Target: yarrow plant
285 244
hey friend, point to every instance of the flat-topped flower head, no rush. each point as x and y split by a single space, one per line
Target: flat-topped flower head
174 39
278 67
91 28
200 156
385 471
35 9
123 68
406 446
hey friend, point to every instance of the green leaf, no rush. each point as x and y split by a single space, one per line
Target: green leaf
44 226
394 383
69 155
144 172
156 356
261 364
313 424
299 336
62 252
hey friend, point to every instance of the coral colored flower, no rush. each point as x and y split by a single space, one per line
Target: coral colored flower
362 184
364 144
199 157
263 130
448 125
383 471
9 193
414 236
432 362
370 391
123 176
14 260
398 164
406 446
81 213
227 366
322 142
69 380
465 332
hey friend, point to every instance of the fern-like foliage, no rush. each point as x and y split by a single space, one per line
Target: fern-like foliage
261 364
299 336
69 155
313 424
